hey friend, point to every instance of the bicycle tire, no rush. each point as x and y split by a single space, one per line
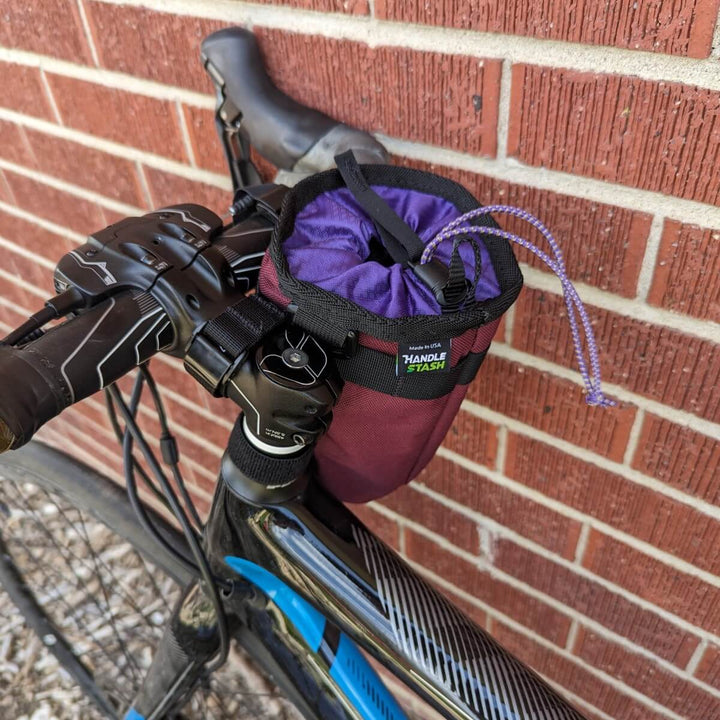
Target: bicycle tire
73 489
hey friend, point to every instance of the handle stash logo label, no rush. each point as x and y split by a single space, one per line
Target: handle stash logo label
430 357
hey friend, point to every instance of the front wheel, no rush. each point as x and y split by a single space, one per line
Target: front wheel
93 586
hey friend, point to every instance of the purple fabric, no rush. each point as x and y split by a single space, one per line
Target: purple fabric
330 243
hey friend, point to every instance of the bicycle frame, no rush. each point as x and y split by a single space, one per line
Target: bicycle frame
311 581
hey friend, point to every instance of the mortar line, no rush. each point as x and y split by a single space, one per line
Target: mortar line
502 439
23 252
634 438
88 32
582 543
715 47
41 222
572 636
144 185
696 658
64 186
51 98
509 319
503 122
649 262
182 120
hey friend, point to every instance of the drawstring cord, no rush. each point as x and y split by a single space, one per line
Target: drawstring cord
459 226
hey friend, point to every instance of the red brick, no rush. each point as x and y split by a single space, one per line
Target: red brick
18 293
385 528
456 528
625 618
708 669
679 457
652 360
574 678
57 206
687 275
106 174
178 380
473 437
143 122
48 27
23 91
646 676
204 139
672 526
154 45
28 271
9 317
678 28
165 47
421 96
682 594
532 613
550 404
643 133
553 531
14 146
169 189
603 245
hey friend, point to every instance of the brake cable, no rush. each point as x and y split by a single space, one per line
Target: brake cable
202 567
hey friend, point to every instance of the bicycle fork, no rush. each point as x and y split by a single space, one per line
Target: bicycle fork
190 640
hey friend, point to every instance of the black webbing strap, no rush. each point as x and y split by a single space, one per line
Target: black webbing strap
244 324
403 244
228 337
376 370
400 240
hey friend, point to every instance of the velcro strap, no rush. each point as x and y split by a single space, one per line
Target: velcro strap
244 324
226 339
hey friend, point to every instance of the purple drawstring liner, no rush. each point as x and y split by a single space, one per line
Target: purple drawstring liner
591 378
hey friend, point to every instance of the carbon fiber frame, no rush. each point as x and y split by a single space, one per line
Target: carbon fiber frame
316 546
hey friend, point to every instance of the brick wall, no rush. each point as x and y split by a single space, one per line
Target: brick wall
585 540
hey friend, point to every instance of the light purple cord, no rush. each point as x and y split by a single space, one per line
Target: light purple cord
592 380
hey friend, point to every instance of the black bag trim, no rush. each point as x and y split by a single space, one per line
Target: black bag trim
336 316
375 370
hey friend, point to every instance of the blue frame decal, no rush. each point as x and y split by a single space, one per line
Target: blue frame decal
352 673
309 622
361 684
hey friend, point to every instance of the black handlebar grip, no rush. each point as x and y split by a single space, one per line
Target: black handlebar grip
280 128
75 359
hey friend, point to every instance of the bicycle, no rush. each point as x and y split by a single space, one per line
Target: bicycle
281 567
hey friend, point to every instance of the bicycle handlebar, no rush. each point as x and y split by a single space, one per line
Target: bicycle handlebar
75 359
291 135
